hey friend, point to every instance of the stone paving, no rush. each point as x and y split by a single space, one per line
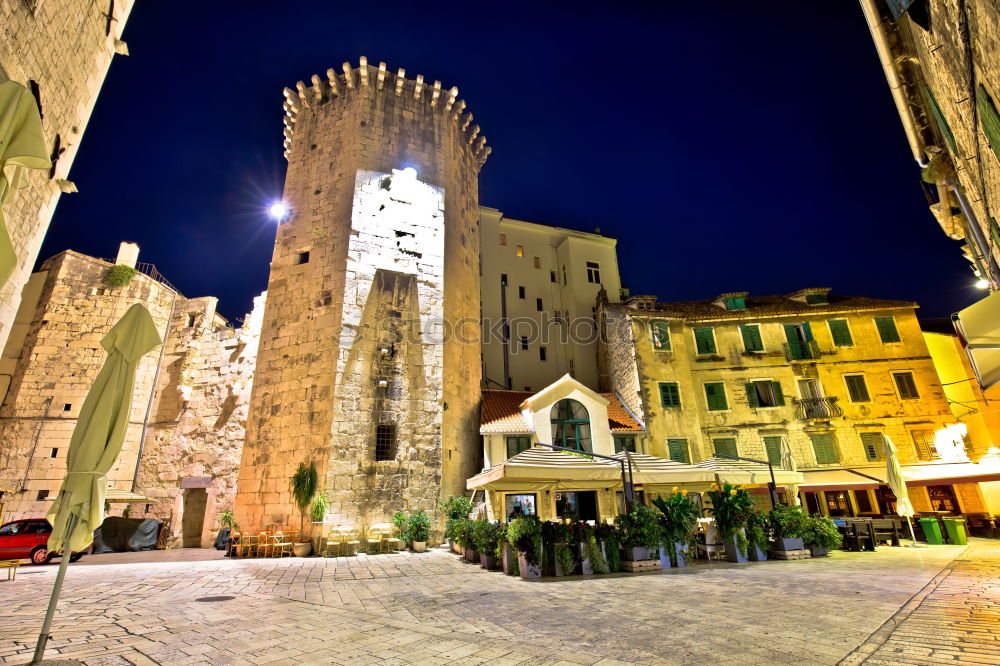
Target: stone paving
898 605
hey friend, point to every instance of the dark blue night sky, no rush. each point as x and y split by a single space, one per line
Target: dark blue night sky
727 145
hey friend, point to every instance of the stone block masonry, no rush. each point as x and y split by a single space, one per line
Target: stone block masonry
360 369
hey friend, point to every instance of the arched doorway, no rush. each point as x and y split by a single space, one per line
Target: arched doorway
571 425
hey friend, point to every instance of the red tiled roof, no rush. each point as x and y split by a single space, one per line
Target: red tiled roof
772 306
501 413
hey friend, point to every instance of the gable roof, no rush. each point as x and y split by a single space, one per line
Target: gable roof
501 413
770 306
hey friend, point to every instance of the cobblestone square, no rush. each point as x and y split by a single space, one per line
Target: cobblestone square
898 605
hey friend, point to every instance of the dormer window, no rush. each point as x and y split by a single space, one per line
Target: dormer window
736 303
817 299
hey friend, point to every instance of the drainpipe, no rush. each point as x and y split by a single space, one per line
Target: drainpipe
979 240
892 76
152 393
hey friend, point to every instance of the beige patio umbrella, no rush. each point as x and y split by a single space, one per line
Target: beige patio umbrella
93 449
898 485
788 462
22 146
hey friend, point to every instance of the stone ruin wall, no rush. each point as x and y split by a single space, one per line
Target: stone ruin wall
66 47
365 120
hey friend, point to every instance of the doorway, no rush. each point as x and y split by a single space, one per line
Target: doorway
193 517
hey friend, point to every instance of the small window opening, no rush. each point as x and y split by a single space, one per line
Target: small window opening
552 276
524 342
593 272
54 453
190 321
538 304
42 494
385 442
67 407
302 258
503 238
520 250
541 354
520 292
538 262
503 279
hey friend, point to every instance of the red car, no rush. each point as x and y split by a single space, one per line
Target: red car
28 539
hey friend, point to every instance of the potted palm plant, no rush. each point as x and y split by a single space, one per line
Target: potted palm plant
640 532
317 512
525 534
303 485
732 507
787 524
821 535
418 528
678 517
228 520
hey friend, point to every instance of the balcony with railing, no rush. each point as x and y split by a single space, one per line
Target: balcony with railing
817 408
806 350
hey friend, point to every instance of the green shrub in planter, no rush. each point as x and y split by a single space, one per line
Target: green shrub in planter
787 523
399 520
486 535
418 527
119 275
678 517
821 535
454 509
640 531
609 536
462 530
732 508
525 534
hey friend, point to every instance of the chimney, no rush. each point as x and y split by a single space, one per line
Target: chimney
128 254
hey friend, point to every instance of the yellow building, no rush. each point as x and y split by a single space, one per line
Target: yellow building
829 375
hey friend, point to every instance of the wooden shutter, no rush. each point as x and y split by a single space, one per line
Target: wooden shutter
725 446
705 340
779 397
990 119
907 387
887 329
670 395
715 395
872 443
824 448
678 450
807 331
751 338
921 442
791 333
773 447
840 332
856 388
941 121
752 399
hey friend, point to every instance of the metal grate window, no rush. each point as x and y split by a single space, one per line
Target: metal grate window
385 442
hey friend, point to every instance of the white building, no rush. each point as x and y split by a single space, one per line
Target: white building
539 291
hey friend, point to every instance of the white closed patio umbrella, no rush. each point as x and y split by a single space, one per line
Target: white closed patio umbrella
788 462
897 484
94 447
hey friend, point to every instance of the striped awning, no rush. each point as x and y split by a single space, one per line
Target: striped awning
548 467
652 470
747 473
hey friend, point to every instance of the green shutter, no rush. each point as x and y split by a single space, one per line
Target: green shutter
907 387
941 122
887 329
779 398
816 299
705 340
856 388
990 119
807 331
670 395
840 332
725 446
824 447
995 233
751 338
736 303
678 450
715 395
872 444
773 447
660 332
752 399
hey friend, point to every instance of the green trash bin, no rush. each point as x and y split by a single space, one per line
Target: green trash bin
932 530
956 530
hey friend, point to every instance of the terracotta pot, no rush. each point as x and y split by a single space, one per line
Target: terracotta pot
419 546
302 549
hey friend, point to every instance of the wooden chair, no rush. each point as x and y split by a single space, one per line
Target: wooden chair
232 548
264 547
247 546
333 544
352 541
374 540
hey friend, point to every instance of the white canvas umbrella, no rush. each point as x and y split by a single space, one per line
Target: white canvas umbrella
897 484
788 462
93 449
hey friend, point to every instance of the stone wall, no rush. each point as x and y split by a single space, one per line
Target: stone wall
66 47
351 246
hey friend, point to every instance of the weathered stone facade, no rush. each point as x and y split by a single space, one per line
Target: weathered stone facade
65 48
371 328
194 436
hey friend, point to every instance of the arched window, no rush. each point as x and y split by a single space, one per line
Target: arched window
571 425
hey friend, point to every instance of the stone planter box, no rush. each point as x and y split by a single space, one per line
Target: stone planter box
585 567
636 554
756 554
472 555
509 559
816 551
487 561
784 543
678 553
528 571
733 551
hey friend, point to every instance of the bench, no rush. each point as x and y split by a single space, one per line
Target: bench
859 535
11 567
886 529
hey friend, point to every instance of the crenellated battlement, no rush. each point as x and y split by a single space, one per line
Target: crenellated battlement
379 80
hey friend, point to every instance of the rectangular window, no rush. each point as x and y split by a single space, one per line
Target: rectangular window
887 329
519 505
736 303
715 396
765 394
593 272
704 340
625 442
54 453
660 333
517 444
42 494
190 320
520 292
67 407
923 442
552 276
524 342
385 442
857 390
538 304
816 299
677 449
905 385
871 442
564 274
520 250
538 262
503 238
670 395
824 447
503 279
840 333
751 338
542 354
302 258
726 446
772 445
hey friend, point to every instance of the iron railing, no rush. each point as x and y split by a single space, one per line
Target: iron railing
817 408
802 351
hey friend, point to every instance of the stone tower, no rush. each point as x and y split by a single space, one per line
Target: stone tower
369 362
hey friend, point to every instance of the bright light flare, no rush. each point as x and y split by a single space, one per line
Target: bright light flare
278 210
982 284
409 172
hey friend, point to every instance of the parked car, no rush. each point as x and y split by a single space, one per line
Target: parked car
28 539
